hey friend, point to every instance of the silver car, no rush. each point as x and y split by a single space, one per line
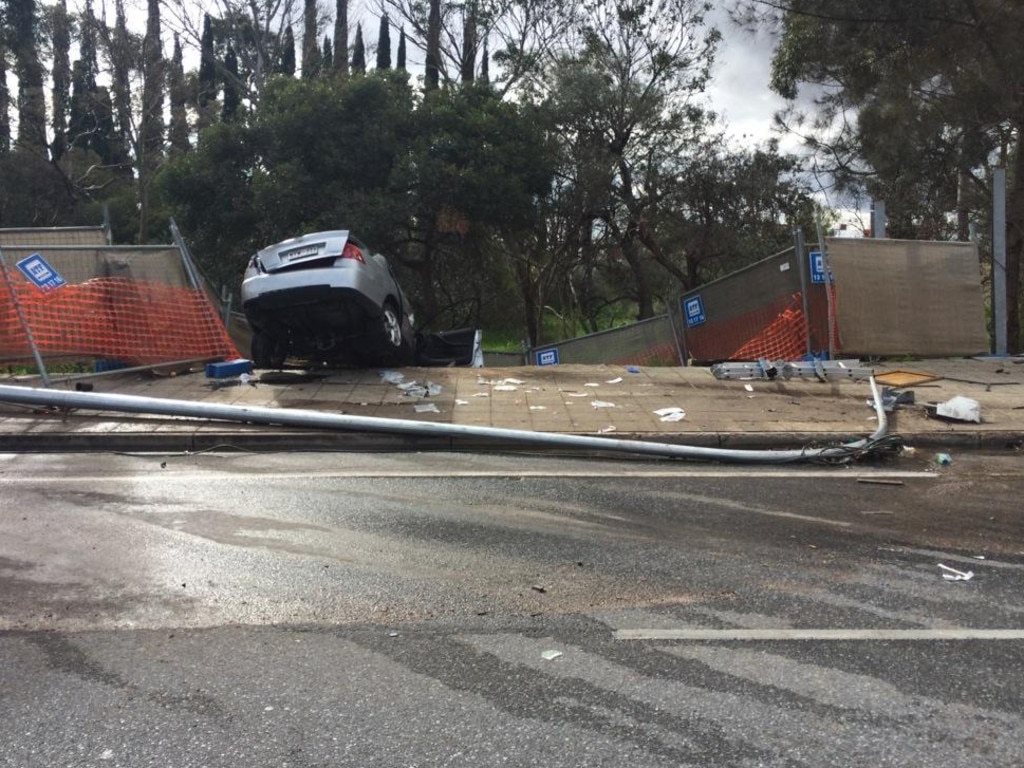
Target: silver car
326 297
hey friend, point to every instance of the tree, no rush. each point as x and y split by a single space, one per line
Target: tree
230 108
432 72
178 132
61 73
151 120
5 97
311 64
400 60
917 103
384 44
359 52
207 69
327 55
341 36
287 65
24 35
623 106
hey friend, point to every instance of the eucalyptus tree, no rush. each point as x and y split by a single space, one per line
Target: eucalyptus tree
450 36
914 103
254 29
625 99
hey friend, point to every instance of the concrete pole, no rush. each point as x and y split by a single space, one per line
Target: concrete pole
878 219
999 260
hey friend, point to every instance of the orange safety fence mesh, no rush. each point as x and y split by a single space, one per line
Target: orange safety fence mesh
133 321
785 338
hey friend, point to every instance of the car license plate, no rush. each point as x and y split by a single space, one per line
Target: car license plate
298 253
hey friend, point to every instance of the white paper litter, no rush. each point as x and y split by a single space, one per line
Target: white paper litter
748 387
538 407
673 413
504 388
509 381
550 655
591 384
392 377
426 408
960 408
952 574
576 394
616 380
481 394
606 430
601 404
461 402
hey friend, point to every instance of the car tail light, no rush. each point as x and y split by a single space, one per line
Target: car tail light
351 251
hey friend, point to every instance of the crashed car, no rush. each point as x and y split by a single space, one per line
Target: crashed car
326 297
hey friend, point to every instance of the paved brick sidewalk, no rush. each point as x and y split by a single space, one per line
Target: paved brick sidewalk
583 400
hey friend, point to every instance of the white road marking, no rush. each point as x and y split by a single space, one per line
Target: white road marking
948 633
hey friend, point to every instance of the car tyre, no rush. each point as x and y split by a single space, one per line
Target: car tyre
268 352
395 350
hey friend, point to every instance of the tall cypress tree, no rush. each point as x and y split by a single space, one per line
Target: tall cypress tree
21 16
287 66
310 42
207 66
384 44
5 100
327 56
153 78
358 52
61 97
432 68
341 36
178 132
121 61
400 61
231 98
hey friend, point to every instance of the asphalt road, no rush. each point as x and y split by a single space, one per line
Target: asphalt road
450 610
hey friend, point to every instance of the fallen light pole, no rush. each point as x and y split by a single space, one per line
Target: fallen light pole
332 421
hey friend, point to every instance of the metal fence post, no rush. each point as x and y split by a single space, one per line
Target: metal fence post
24 323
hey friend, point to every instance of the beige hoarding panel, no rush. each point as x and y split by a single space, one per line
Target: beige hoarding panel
53 236
906 297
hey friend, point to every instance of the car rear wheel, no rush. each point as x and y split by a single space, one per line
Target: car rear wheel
395 349
268 352
392 325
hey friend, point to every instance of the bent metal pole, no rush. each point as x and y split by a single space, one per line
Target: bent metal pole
333 421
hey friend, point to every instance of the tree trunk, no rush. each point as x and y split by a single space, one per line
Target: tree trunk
644 297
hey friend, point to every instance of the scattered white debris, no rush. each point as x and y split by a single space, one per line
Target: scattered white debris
538 407
481 394
952 574
509 381
461 402
616 380
392 377
426 408
601 404
108 754
979 557
504 388
673 413
577 394
550 655
748 387
606 430
591 384
960 408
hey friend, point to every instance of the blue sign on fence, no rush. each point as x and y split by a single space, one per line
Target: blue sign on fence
817 267
547 357
42 275
693 311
